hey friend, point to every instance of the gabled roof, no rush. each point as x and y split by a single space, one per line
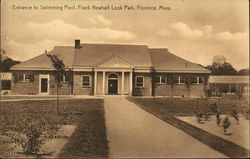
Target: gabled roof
229 79
165 61
92 55
114 62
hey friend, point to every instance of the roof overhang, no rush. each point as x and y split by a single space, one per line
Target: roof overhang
32 68
184 71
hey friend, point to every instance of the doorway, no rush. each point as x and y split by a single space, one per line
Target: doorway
44 84
113 83
113 86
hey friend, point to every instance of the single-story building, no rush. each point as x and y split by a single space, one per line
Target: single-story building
101 69
229 84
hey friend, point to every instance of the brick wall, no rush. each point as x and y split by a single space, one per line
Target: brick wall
25 88
78 89
147 89
194 90
179 90
65 88
32 88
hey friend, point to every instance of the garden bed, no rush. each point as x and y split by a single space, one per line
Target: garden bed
236 133
74 116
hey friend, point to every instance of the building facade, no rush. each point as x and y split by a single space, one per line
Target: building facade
229 85
102 69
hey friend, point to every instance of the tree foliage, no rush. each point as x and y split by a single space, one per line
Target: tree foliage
244 72
221 67
31 130
59 67
6 62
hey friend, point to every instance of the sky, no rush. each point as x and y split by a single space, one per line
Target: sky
195 30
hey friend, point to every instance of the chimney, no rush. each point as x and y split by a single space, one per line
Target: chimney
77 44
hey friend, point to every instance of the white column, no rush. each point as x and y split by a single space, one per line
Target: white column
130 83
95 83
103 83
122 82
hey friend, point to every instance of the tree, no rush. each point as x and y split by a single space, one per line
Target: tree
243 72
59 72
221 67
226 124
153 81
6 62
31 129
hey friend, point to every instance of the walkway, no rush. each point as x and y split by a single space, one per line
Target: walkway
14 98
132 132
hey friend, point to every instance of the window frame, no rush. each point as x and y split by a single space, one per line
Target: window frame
175 82
137 83
198 80
180 80
24 80
161 80
89 85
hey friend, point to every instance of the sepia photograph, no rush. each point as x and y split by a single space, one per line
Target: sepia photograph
124 79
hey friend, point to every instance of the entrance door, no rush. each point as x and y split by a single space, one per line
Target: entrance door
113 86
44 85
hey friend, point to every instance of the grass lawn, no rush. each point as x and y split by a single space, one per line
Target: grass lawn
87 115
167 109
188 107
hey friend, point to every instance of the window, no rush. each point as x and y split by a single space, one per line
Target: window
28 78
86 81
175 79
21 78
112 75
182 80
201 80
194 80
25 78
139 81
160 79
197 80
163 79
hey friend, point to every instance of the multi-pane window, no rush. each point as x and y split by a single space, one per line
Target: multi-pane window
21 78
194 80
139 81
197 80
176 79
25 78
160 79
182 80
86 81
201 80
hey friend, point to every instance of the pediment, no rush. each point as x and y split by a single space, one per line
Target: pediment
114 62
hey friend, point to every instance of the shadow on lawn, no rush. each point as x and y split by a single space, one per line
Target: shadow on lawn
226 147
89 138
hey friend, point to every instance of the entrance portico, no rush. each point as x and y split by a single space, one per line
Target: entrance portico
113 82
113 76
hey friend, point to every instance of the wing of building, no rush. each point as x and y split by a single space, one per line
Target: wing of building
100 69
229 85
